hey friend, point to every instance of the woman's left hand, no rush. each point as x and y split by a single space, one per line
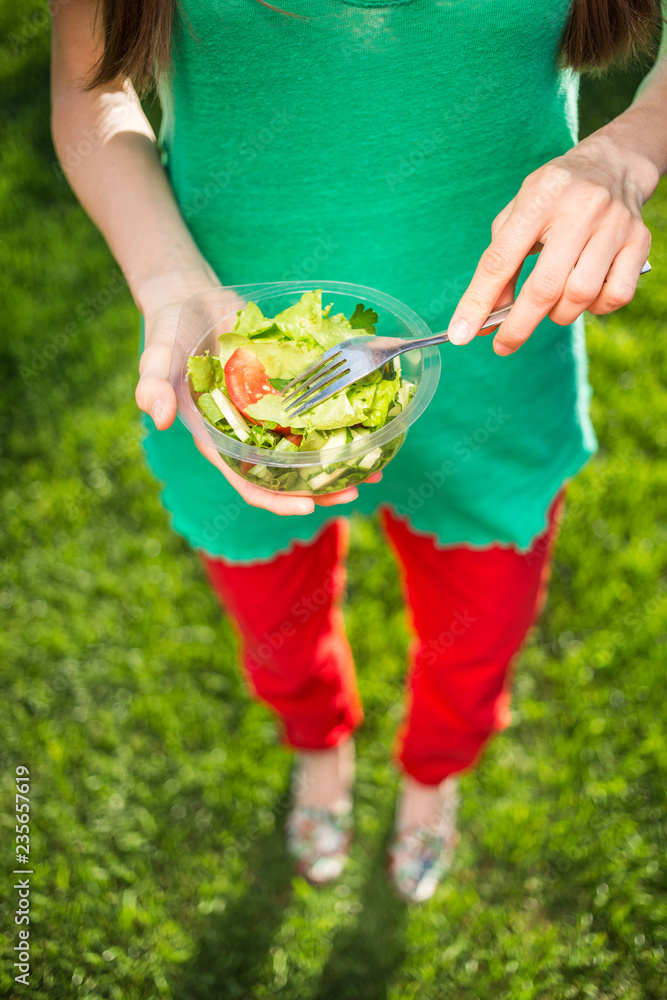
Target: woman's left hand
582 213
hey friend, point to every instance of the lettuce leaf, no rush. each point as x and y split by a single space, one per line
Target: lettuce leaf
361 404
272 332
262 437
285 346
279 383
372 403
332 413
307 324
281 359
363 319
229 343
251 322
205 372
209 408
385 394
361 400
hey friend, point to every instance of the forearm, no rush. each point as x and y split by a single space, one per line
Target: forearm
122 185
640 133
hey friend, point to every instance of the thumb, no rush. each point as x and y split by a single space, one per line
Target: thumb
505 297
156 397
154 393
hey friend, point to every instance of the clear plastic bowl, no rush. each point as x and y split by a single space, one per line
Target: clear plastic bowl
303 473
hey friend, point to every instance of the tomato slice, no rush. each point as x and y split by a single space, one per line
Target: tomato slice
295 438
246 381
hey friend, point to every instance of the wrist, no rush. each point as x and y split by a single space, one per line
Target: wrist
175 280
637 142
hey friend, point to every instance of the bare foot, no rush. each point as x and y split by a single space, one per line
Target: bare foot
419 805
324 777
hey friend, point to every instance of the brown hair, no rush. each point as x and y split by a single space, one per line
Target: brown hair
137 35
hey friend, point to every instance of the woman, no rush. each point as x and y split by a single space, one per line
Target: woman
375 142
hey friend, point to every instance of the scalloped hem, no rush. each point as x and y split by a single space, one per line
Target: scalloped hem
280 551
442 546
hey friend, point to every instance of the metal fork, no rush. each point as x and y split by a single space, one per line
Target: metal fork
355 357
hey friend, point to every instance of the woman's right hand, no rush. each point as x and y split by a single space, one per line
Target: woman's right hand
161 300
122 184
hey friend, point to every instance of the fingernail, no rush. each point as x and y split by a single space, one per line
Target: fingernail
502 349
459 332
305 508
156 412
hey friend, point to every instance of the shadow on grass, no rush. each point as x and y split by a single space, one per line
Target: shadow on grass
233 944
365 955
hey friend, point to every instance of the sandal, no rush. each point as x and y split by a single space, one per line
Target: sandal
318 838
419 856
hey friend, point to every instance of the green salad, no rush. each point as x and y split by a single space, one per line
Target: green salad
239 392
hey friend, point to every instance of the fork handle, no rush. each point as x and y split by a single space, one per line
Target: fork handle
497 316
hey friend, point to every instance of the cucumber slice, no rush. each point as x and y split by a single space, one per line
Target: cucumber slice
231 414
313 441
324 478
261 472
331 450
369 460
337 440
285 445
404 393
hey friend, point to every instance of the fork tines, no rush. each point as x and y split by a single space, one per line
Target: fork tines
319 375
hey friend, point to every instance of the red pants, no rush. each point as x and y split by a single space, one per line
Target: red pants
470 612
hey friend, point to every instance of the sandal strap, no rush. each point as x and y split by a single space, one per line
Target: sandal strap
420 855
315 833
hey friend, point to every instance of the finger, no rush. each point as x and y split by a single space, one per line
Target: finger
508 292
586 278
505 297
343 496
622 277
157 398
154 393
497 266
277 503
347 495
501 218
542 289
500 221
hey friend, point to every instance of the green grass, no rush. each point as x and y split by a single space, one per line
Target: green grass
158 788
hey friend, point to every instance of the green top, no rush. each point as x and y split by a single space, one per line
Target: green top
375 143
